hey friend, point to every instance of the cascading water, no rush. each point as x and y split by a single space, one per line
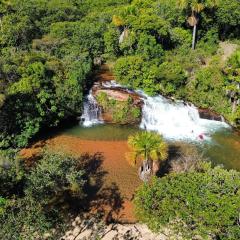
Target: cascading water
91 111
176 120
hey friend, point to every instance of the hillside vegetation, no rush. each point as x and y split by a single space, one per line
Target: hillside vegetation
48 50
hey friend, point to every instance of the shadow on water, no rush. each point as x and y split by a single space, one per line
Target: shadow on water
47 133
103 200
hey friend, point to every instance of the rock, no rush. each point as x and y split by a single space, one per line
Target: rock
74 224
78 220
76 231
46 235
210 115
110 235
85 235
118 105
124 35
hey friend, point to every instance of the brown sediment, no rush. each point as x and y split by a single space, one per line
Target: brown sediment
119 173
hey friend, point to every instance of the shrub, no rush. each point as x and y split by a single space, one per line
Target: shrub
202 203
35 201
56 176
121 111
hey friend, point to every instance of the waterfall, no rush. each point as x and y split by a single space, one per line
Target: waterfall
91 111
176 120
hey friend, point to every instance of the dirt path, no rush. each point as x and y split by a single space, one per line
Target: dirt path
227 49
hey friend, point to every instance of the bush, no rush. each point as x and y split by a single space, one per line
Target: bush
204 203
35 201
29 219
55 177
172 77
121 111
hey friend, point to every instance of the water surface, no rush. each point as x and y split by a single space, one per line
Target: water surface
223 148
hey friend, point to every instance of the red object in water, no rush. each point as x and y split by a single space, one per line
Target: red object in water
200 136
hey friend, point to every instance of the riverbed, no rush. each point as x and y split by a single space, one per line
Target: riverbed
222 147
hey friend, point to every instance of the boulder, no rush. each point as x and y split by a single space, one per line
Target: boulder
118 105
210 115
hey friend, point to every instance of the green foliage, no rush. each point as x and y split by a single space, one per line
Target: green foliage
3 203
55 176
111 40
34 200
122 112
228 18
181 36
48 50
135 72
190 204
172 77
29 221
12 174
232 72
147 146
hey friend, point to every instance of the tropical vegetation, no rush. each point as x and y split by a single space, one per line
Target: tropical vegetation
49 49
150 148
49 53
198 204
36 200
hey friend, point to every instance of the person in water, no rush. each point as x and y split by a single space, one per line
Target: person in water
201 136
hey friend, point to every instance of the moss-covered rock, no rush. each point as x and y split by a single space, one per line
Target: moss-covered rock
119 106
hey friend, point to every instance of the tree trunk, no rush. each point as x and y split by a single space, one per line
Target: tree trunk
155 167
145 170
234 105
194 36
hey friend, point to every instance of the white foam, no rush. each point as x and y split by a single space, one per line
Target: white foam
91 112
176 120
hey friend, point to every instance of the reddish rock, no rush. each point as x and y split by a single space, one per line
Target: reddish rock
208 114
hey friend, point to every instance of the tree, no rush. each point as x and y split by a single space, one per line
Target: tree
150 148
56 176
233 82
36 201
195 205
228 18
195 6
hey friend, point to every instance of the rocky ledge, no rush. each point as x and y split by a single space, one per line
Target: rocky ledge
118 105
210 115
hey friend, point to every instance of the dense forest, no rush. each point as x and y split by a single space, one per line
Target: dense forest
49 52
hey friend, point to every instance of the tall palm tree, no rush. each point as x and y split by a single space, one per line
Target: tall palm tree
196 7
149 148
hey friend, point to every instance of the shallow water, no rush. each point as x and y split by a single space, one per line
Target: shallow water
102 132
223 148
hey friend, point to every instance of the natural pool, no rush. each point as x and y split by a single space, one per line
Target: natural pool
223 148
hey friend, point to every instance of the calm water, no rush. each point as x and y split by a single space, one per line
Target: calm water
224 148
109 132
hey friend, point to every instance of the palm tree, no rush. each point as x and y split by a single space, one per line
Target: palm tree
150 148
196 7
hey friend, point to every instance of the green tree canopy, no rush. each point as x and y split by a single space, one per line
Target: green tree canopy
204 203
